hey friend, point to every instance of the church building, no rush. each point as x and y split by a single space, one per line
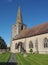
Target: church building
24 39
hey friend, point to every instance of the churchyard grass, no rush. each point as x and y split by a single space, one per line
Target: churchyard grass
4 57
32 59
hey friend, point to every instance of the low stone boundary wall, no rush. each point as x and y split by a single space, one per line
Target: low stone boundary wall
2 51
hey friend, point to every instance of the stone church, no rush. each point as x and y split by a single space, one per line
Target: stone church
24 39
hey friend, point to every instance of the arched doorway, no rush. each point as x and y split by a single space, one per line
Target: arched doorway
20 47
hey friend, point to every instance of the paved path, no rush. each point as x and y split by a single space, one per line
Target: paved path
12 60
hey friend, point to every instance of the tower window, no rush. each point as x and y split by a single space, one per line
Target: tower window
22 27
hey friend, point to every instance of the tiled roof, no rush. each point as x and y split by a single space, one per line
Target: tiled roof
36 30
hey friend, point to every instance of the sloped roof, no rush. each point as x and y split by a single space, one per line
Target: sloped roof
36 30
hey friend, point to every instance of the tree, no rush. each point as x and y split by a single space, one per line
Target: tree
2 44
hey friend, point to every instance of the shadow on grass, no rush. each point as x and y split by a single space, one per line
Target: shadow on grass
8 63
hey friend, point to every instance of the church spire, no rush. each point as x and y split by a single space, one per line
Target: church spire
19 16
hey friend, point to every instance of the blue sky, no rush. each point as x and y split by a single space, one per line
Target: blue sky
34 12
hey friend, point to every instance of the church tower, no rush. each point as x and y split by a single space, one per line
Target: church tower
19 26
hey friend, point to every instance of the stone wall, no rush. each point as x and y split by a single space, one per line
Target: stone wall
2 51
35 39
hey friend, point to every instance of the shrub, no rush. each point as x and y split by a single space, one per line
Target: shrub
30 50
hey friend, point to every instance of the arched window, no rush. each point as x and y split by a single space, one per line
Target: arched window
16 46
30 44
45 42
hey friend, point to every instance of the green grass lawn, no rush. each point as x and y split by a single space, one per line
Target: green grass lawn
32 59
4 57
